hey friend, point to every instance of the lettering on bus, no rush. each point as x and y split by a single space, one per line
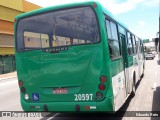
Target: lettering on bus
83 97
56 50
60 91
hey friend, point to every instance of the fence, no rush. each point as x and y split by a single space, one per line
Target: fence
7 64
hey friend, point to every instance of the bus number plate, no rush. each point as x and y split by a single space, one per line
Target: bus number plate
60 91
83 97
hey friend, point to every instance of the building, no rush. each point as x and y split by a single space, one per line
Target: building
8 10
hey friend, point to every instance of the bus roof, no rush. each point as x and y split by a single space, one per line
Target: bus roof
50 8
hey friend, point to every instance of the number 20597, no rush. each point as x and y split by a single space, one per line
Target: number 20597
83 97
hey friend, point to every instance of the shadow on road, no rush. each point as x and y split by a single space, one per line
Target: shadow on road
94 116
139 81
156 103
158 62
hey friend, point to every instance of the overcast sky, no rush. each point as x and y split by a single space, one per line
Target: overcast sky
141 16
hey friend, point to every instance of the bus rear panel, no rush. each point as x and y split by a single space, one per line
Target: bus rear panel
60 60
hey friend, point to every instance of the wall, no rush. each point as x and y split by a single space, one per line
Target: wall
9 9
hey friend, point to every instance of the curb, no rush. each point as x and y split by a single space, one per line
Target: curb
8 75
8 78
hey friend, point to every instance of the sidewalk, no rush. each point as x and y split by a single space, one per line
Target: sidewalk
8 75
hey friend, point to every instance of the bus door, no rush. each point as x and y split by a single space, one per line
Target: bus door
124 55
140 58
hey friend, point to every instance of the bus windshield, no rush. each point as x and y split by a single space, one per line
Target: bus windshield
58 28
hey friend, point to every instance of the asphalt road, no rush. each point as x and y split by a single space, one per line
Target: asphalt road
9 95
147 98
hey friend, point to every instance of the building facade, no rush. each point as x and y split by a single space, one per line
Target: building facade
8 10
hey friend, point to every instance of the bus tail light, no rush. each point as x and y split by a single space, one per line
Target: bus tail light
23 89
26 96
20 83
99 94
103 78
94 5
101 86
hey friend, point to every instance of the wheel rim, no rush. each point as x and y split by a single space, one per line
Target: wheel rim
134 88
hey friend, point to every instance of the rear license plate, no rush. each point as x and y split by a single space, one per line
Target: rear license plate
60 91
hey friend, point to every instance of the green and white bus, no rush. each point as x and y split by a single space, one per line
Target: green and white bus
76 57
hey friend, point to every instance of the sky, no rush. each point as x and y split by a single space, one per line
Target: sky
141 16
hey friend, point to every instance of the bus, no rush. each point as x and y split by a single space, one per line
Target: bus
76 58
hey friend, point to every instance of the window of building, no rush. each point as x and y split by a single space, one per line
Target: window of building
35 40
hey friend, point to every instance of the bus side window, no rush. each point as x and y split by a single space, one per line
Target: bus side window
113 42
129 44
141 46
134 44
110 51
137 43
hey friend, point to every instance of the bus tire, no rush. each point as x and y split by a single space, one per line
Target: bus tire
142 75
133 86
143 72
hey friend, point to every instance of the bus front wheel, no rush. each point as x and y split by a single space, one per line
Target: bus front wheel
143 72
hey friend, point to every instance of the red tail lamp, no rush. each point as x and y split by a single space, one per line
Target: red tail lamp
23 89
101 86
103 79
94 5
20 83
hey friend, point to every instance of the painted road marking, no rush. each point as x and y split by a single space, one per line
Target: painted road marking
53 116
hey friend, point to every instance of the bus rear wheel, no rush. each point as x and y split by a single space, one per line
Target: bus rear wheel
143 72
133 87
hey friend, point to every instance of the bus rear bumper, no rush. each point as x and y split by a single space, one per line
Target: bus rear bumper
103 106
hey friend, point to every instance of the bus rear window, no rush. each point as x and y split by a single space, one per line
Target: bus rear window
58 28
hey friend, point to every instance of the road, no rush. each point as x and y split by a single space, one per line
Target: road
9 95
147 98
